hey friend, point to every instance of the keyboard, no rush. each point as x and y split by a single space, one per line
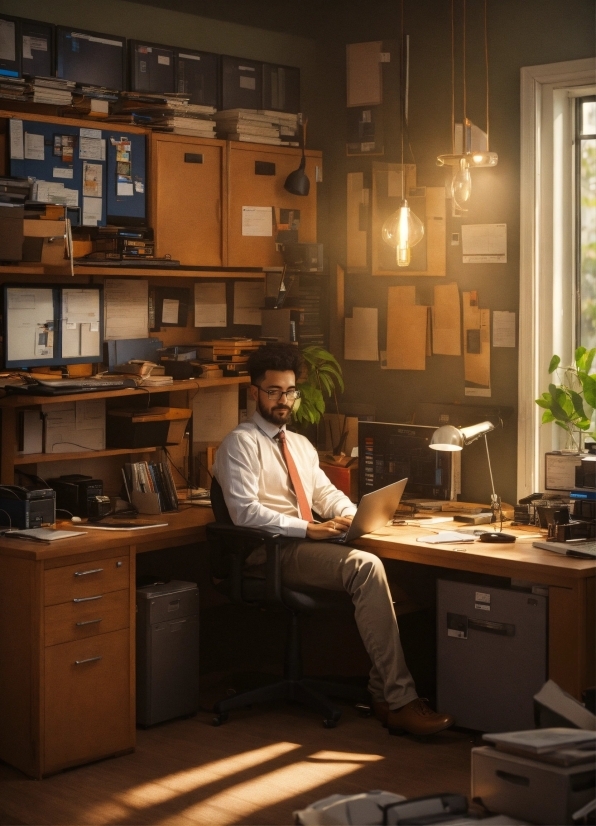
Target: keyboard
62 387
585 549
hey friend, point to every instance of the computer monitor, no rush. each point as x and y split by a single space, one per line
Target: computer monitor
52 326
10 51
388 452
197 75
91 58
37 42
281 88
151 67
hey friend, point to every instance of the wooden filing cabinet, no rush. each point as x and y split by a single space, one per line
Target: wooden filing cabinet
187 209
67 647
255 177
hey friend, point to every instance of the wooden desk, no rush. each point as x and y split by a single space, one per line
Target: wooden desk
67 669
571 584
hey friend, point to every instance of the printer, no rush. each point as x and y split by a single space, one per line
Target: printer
23 508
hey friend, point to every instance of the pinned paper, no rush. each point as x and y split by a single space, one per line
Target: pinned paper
210 305
446 321
484 243
249 297
34 147
17 150
503 329
257 221
92 179
406 330
361 340
476 328
92 211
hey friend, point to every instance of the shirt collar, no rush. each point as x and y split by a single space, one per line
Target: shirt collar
268 428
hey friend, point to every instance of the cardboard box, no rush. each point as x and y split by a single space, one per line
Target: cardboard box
527 789
344 478
43 241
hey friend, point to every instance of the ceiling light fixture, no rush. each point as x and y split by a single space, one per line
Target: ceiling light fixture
464 154
403 229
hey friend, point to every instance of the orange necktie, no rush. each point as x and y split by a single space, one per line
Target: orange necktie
304 507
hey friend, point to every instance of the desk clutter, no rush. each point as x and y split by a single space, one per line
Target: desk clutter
150 487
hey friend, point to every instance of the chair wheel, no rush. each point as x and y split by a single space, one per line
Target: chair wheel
329 722
219 719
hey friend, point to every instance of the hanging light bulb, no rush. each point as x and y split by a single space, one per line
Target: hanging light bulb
403 230
461 185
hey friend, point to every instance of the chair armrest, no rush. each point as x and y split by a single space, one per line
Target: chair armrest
239 543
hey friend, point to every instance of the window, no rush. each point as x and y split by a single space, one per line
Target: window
586 221
557 241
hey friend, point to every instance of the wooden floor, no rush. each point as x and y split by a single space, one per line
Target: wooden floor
258 768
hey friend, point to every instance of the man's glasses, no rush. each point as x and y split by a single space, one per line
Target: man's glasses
275 395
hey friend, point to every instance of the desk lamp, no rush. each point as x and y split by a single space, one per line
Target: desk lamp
453 438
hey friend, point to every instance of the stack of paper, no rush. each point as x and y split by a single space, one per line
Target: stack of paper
52 90
257 126
190 118
14 88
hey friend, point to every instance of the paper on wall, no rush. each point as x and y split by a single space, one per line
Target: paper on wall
257 221
92 211
503 329
446 321
476 330
169 311
484 243
92 148
406 330
215 413
92 179
17 149
249 297
34 147
126 308
361 339
210 305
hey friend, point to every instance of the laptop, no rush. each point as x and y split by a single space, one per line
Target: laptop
585 549
374 511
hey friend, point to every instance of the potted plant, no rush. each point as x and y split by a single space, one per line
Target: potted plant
570 404
322 378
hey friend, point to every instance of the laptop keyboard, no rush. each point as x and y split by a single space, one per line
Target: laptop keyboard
587 549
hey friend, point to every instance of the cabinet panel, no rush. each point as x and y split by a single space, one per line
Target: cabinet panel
187 193
87 706
247 187
78 620
86 579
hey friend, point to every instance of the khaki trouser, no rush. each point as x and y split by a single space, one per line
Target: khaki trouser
362 575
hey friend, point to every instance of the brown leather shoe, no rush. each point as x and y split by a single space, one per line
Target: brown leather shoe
416 717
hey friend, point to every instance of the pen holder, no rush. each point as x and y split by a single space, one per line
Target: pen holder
145 502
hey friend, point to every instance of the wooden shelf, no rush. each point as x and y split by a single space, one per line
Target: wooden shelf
34 458
191 384
139 272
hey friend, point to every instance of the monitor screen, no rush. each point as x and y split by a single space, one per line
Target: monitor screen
10 47
90 58
37 40
196 76
281 88
151 68
52 326
388 452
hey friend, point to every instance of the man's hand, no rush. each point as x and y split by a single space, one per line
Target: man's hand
327 530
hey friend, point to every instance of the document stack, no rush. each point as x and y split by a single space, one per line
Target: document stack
93 101
140 108
150 486
190 118
14 191
230 355
257 126
14 88
52 90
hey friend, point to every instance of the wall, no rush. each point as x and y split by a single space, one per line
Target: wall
520 34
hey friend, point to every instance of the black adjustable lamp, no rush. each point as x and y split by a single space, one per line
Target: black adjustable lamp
297 181
453 438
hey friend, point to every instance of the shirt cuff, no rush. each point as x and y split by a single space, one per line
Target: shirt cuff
348 511
296 527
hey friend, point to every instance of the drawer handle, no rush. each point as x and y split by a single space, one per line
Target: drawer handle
92 571
89 622
89 660
87 599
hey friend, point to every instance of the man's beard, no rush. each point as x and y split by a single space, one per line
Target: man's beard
274 416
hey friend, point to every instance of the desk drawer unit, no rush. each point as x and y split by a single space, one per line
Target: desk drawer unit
87 711
86 579
87 617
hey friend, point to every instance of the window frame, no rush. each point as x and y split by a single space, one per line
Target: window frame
547 244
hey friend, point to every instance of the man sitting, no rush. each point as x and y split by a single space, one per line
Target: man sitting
270 479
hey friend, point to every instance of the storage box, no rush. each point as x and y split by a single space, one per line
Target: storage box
11 233
530 790
154 427
344 478
43 242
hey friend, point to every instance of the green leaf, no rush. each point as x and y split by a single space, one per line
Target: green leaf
578 404
579 353
546 403
591 354
547 416
589 388
554 363
557 403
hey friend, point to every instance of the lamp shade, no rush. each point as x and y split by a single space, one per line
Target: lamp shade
447 437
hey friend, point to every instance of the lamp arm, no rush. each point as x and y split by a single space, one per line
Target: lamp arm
495 503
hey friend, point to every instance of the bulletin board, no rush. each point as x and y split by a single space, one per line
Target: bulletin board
74 156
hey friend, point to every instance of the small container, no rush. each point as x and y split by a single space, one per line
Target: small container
154 427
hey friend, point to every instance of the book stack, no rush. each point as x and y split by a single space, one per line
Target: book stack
14 191
140 108
92 101
52 90
309 297
150 482
189 118
14 88
230 355
257 126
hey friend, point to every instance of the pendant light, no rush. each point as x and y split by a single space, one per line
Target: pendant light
467 158
403 229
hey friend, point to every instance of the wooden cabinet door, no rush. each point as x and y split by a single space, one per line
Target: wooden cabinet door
256 177
87 700
187 199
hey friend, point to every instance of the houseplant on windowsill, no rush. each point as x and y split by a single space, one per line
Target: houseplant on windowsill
570 404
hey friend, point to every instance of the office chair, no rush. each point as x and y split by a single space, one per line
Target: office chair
229 547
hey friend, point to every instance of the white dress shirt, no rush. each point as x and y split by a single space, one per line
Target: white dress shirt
254 478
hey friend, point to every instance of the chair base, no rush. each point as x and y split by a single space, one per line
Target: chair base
308 691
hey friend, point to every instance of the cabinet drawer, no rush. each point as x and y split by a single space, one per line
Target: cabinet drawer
87 700
86 579
78 620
